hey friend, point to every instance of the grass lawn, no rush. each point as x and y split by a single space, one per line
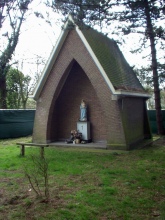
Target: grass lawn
84 184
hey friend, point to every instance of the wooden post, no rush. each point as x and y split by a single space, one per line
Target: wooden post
42 151
22 150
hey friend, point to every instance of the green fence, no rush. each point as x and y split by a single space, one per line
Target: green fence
152 119
16 123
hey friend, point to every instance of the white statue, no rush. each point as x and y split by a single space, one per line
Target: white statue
83 111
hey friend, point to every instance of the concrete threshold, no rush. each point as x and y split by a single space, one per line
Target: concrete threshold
98 145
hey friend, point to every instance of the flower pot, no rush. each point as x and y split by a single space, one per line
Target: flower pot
77 141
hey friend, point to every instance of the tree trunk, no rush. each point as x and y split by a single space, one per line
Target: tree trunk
150 32
24 104
3 93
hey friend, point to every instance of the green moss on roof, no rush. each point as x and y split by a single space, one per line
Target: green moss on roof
112 60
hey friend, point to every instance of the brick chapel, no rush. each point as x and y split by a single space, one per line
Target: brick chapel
85 64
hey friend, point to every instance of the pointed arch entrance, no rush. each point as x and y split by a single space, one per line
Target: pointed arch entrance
64 112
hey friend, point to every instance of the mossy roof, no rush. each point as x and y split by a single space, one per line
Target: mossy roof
120 77
112 60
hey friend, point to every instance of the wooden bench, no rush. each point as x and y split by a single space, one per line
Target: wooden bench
22 147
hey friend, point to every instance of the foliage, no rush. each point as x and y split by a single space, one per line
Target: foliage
150 101
18 89
146 78
105 13
85 184
12 14
79 9
31 103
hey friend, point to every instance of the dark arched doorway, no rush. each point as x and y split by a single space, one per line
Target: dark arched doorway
64 112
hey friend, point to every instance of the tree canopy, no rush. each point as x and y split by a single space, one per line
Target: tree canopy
12 14
18 89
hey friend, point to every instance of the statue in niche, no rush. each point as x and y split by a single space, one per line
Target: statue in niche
83 111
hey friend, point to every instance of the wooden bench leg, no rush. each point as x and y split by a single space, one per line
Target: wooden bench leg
42 152
22 150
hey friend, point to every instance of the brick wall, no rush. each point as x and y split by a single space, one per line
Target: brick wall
132 111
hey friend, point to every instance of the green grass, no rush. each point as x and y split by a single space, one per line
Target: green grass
85 185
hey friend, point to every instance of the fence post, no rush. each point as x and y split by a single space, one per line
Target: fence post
22 150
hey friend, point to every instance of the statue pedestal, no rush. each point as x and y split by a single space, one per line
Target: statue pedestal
84 128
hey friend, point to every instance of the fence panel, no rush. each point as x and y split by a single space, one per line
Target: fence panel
152 119
16 123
